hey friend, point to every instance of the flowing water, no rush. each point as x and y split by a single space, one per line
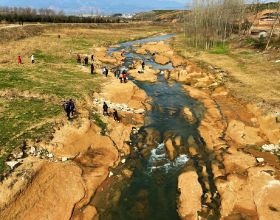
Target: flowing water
151 193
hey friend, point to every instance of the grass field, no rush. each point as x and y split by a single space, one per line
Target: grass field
31 96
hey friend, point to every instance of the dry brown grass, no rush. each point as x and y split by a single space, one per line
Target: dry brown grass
253 76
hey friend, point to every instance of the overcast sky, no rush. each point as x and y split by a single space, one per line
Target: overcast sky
105 6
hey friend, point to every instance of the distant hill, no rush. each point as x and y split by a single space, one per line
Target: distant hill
162 16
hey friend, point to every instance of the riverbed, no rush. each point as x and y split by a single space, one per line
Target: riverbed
151 192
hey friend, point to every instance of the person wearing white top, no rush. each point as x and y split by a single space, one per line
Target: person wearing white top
32 59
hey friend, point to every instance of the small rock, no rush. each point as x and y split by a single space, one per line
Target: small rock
111 174
12 164
189 115
271 147
139 111
64 159
18 156
127 173
50 155
32 150
134 131
178 140
260 160
123 161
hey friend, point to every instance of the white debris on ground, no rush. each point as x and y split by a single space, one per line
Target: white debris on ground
13 164
117 106
260 160
64 159
273 148
111 174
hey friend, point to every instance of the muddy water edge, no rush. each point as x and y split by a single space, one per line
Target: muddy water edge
145 186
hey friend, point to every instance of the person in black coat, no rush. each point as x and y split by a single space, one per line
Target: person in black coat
69 108
105 109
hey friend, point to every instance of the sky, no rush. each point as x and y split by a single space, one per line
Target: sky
104 6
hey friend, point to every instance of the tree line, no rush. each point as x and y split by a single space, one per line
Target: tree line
20 15
213 22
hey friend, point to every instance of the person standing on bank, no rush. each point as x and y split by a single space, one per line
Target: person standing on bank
32 59
69 108
19 59
105 109
92 68
143 65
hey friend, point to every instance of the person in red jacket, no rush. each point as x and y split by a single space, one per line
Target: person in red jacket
19 59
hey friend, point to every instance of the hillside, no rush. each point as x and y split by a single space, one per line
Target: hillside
161 16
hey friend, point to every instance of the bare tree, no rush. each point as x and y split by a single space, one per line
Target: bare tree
273 26
213 21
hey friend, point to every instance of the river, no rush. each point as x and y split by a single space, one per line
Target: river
151 193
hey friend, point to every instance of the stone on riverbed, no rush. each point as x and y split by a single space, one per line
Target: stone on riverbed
188 115
139 111
170 149
190 195
127 173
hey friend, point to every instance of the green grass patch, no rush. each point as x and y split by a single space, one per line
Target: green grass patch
98 121
257 43
220 49
79 43
47 58
20 115
249 41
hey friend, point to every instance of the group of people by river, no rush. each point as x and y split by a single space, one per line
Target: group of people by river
119 72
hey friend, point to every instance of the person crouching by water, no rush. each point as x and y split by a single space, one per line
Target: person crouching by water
69 108
105 109
116 116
